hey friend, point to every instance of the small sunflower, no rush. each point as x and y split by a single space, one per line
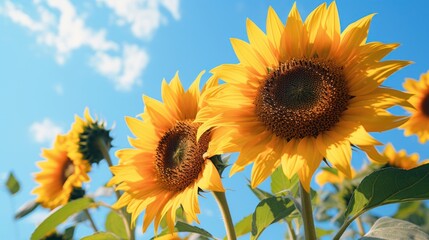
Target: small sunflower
331 175
419 120
166 169
61 175
86 135
301 93
400 159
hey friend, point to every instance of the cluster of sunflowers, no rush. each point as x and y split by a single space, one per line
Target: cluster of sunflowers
303 92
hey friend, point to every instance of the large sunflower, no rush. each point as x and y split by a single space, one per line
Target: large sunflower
60 174
166 169
419 120
301 93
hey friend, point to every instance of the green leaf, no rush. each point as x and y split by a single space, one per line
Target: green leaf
280 184
68 233
259 193
102 236
60 216
269 211
320 232
26 208
115 224
244 226
389 185
12 184
415 212
184 227
390 228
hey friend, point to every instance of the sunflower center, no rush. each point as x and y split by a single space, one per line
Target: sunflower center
68 169
425 105
302 97
179 157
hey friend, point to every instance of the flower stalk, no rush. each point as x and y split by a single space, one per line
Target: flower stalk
91 221
226 214
307 214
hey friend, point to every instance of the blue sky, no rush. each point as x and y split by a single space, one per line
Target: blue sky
57 57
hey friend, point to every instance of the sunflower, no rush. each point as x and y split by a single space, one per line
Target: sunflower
86 134
419 120
61 176
301 93
399 159
331 176
166 169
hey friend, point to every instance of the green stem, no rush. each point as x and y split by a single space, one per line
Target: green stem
91 221
307 214
360 226
105 151
124 218
291 230
343 229
223 206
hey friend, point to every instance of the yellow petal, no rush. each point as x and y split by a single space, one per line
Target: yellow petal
210 178
260 43
291 164
275 29
292 37
266 163
247 56
311 157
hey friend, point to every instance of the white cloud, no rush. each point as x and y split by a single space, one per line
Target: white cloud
65 31
125 70
57 24
144 16
45 131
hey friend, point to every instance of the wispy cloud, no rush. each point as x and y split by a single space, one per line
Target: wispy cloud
45 131
125 71
65 31
144 16
57 24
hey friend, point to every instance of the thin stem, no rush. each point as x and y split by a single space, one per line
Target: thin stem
342 229
307 214
360 226
91 221
223 206
124 218
105 151
291 230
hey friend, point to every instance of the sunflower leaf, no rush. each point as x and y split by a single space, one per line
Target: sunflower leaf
259 193
102 236
115 224
269 211
184 227
60 216
390 228
389 185
26 209
281 185
12 184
